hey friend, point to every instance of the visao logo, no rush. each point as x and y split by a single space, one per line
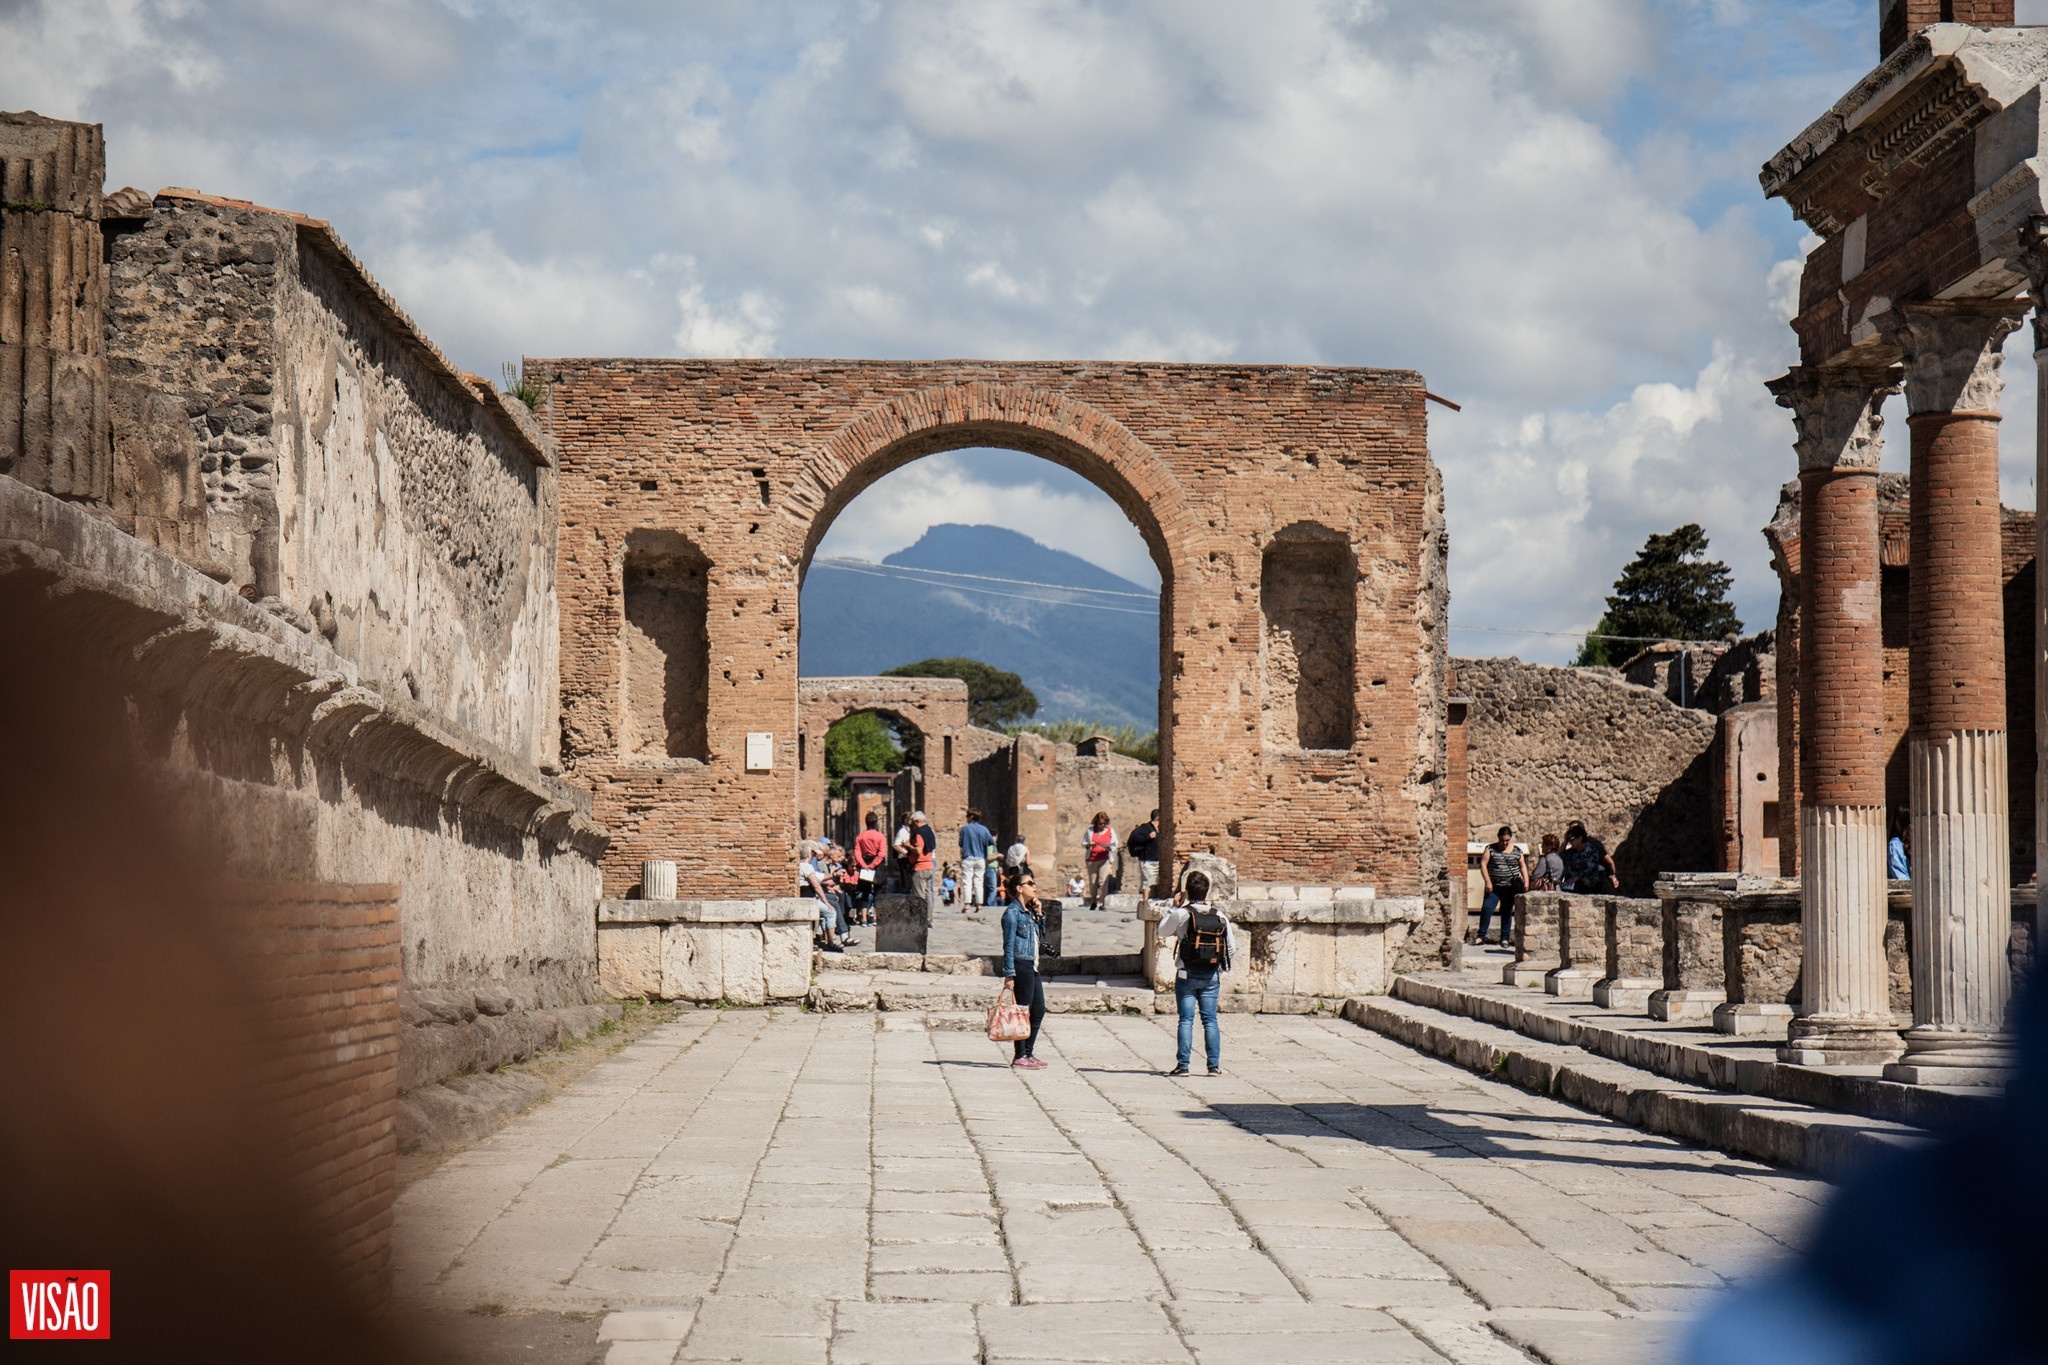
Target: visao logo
59 1305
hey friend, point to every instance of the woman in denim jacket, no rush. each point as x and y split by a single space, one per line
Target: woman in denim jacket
1022 928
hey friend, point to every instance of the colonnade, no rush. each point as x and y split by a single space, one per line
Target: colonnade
1948 364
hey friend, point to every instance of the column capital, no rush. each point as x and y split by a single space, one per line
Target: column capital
1953 350
1835 413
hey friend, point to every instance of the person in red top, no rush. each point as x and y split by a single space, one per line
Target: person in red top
870 851
1101 841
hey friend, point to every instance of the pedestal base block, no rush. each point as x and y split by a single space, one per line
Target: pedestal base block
1816 1041
1625 994
1522 974
1570 983
1749 1020
1672 1007
1945 1057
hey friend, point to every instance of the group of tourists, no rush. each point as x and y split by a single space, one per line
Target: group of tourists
1204 940
1579 863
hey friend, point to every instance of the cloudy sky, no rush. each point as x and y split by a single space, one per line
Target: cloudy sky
1549 207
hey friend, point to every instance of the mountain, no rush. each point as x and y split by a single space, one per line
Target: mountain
936 599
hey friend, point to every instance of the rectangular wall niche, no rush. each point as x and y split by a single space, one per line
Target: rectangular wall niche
666 647
1308 598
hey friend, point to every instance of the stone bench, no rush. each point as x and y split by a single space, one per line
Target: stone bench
1339 946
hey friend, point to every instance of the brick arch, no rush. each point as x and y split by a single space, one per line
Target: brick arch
1037 421
934 707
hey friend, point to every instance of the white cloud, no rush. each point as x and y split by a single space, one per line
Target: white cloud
746 327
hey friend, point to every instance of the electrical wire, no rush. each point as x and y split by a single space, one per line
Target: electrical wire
869 570
841 562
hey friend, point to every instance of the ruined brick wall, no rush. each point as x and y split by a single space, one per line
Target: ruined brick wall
1900 19
751 460
992 779
325 965
1550 745
1117 784
2016 558
935 707
352 480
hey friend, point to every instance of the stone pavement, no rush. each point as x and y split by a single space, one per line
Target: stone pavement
780 1186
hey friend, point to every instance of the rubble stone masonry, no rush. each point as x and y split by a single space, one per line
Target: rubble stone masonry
1225 470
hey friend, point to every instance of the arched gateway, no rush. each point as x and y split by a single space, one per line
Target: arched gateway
1294 514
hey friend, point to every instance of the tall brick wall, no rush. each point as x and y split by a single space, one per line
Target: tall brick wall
324 963
1901 19
751 460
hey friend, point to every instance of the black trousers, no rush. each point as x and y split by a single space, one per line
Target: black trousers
1031 995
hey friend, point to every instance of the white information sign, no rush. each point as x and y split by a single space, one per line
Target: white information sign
760 751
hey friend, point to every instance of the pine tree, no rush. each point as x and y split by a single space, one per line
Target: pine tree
1669 591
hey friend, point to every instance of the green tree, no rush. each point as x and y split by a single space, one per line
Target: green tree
995 698
860 743
1125 739
1669 591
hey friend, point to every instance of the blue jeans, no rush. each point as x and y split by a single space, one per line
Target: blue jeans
1504 897
1193 990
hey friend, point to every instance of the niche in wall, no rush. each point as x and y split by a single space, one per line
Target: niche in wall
665 647
1308 595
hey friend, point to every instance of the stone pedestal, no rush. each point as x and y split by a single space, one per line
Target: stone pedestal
734 952
1635 955
1538 916
902 924
1581 948
1761 944
1337 947
1690 920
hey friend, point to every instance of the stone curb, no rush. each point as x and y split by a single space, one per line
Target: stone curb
1743 1125
1654 1050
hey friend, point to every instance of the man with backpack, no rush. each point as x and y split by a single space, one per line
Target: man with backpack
1205 942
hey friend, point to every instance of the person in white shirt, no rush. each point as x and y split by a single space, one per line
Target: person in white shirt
1205 943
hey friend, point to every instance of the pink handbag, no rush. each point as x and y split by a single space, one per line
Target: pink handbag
1008 1021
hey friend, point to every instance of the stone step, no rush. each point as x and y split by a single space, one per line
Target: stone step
1692 1053
942 992
1756 1126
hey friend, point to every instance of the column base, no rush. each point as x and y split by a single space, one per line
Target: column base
1947 1057
1624 994
1746 1021
1522 974
1672 1007
1820 1041
1570 983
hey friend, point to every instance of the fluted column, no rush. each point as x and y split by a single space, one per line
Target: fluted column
1956 742
1844 1017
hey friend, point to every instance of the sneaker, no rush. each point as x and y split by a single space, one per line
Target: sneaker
1178 1071
1215 1071
1030 1064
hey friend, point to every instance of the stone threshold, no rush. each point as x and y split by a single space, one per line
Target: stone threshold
977 964
1077 993
1692 1053
1755 1126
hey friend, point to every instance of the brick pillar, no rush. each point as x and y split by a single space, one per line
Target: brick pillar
1956 737
1844 1017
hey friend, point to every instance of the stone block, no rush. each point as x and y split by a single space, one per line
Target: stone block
742 965
629 961
1751 1020
1361 961
1679 1006
901 925
1222 874
1570 983
691 967
786 960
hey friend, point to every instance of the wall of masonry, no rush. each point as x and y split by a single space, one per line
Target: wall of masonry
751 460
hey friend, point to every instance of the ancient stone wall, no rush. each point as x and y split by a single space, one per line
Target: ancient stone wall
352 479
1116 783
935 707
1217 466
1549 745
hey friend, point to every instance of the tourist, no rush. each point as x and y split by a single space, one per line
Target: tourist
949 886
1100 848
975 842
811 882
1023 927
1588 870
1206 943
916 842
1548 873
870 852
1017 857
1507 876
990 879
1142 848
1898 863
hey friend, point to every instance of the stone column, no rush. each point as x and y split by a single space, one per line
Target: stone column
1844 1018
1956 742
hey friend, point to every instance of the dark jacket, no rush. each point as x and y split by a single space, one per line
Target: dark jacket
1021 931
